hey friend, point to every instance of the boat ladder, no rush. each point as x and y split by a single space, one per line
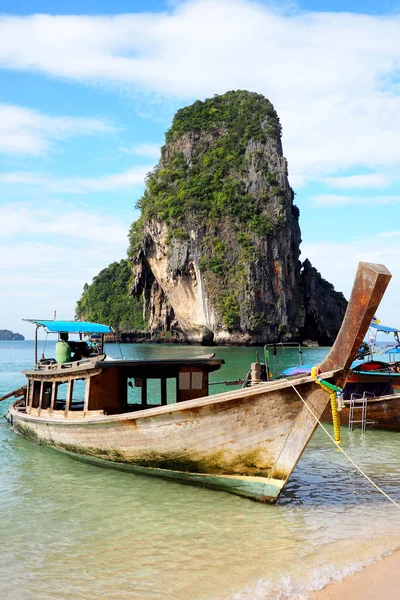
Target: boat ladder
357 403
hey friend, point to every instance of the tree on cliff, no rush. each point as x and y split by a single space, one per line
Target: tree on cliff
107 300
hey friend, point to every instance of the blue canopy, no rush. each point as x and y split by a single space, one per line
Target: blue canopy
384 328
71 326
392 351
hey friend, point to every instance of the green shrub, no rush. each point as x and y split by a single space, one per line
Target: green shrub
107 300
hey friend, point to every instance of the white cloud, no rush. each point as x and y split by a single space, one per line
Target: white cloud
62 220
41 274
31 132
79 185
147 150
332 200
331 76
368 180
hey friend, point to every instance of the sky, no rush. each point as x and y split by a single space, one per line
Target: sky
88 90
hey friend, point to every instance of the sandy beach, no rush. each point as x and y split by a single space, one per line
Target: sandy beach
378 581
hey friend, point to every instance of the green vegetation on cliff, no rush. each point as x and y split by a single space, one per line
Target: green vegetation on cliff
7 335
210 183
107 300
239 111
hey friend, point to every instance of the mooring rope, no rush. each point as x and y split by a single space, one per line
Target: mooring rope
341 449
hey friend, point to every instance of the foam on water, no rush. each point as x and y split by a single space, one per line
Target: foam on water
299 586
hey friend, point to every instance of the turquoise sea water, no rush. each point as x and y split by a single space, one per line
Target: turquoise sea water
75 531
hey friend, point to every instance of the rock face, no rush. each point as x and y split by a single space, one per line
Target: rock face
216 250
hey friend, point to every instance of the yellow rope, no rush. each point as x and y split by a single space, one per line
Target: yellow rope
341 449
334 406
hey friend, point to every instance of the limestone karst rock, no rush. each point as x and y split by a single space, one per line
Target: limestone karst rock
216 249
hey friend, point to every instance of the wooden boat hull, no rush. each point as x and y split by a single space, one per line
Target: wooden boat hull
382 413
246 442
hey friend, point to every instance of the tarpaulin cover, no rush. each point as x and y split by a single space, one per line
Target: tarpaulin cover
71 326
300 370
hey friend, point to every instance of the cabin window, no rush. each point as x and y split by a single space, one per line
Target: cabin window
46 398
78 395
147 393
36 394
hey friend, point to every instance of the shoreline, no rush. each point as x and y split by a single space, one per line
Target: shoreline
374 582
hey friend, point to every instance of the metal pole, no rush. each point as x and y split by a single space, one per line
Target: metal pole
36 360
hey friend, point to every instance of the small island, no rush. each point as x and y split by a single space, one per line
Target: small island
7 335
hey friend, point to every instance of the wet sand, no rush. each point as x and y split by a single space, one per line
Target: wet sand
378 581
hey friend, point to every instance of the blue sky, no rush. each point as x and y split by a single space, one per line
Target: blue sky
88 91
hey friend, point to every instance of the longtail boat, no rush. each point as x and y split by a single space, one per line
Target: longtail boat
246 441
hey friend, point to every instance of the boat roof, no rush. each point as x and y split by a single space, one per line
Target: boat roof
384 328
392 351
205 360
152 368
53 326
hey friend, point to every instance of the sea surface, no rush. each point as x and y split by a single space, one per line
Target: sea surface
74 531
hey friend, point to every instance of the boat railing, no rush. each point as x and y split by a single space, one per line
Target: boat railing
78 364
273 354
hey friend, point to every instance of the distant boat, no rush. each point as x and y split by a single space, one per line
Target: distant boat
372 373
246 441
375 382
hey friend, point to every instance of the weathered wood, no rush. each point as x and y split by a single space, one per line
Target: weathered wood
87 395
16 393
68 399
53 396
369 286
30 397
40 396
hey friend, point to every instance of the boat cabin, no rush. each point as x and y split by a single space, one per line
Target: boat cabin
97 386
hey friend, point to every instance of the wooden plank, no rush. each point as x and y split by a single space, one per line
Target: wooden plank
53 397
87 395
69 397
40 397
30 399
